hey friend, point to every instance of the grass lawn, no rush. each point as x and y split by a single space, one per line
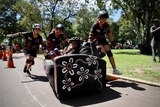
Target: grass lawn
132 64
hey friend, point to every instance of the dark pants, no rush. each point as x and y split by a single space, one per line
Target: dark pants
155 45
32 53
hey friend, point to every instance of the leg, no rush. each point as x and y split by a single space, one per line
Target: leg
31 56
30 64
26 64
159 51
112 61
153 49
107 50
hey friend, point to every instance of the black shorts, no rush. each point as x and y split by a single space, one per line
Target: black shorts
32 53
102 41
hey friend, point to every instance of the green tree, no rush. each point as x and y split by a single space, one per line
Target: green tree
115 30
49 9
29 14
7 18
140 13
84 20
126 32
58 11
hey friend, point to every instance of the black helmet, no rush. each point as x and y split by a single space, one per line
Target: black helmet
60 26
74 39
103 14
38 26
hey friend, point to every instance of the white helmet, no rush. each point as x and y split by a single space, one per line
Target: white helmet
60 26
38 26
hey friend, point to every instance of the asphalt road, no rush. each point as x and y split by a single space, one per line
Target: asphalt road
19 90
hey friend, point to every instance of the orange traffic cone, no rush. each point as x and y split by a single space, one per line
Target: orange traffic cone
111 77
10 60
4 56
1 54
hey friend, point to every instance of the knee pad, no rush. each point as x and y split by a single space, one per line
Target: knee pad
32 62
109 53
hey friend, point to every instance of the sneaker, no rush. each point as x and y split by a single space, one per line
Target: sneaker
116 71
25 69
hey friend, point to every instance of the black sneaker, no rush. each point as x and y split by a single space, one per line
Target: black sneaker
25 69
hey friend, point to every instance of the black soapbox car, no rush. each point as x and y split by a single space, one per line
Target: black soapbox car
75 73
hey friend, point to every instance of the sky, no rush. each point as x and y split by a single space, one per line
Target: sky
116 15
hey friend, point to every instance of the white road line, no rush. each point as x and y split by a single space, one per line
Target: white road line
30 91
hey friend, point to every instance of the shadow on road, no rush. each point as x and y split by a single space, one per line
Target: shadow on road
107 94
124 84
36 78
92 98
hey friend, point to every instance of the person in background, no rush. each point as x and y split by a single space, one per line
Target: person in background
155 42
98 32
33 40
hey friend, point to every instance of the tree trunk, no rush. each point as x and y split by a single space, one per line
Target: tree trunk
148 15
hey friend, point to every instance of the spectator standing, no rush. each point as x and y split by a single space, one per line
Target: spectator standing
155 42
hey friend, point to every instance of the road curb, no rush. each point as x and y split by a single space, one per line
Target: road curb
136 80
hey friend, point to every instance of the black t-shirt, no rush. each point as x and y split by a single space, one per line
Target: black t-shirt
156 34
32 43
98 32
54 41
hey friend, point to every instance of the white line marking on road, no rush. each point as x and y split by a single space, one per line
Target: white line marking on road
30 91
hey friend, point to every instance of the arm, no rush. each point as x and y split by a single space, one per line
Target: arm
109 32
93 36
69 49
49 42
19 34
110 36
44 46
154 30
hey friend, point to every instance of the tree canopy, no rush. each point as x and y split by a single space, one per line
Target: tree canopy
79 15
